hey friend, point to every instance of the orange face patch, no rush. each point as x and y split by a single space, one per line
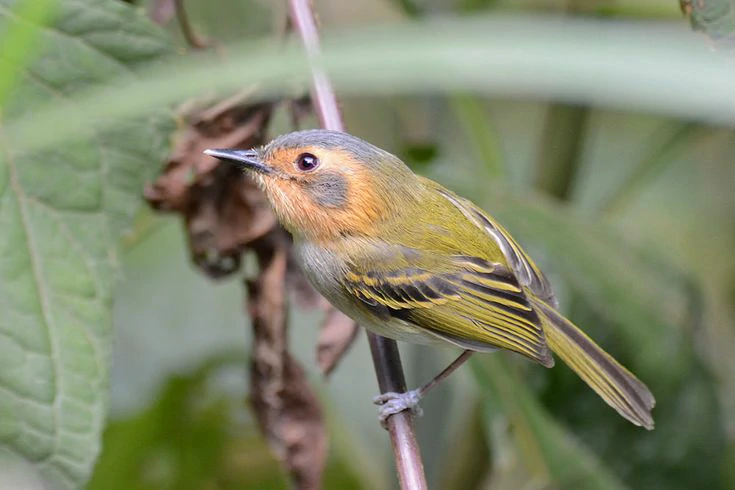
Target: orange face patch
336 198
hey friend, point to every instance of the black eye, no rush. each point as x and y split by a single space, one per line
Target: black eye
306 162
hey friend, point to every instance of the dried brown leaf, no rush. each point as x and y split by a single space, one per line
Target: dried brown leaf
224 211
337 334
286 407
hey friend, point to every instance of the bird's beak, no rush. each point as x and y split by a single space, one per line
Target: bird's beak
244 159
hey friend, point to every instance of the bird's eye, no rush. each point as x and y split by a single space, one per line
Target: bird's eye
307 162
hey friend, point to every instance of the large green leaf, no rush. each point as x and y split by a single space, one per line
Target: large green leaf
641 69
20 41
61 214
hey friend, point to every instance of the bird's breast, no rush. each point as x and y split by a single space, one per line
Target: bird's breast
324 268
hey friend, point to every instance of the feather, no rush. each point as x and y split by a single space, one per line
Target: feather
472 303
615 384
529 275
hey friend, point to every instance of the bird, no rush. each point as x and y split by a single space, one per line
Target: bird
411 260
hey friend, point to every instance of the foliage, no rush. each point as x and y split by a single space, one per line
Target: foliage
62 211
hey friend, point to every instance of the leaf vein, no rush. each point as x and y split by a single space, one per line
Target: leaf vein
38 280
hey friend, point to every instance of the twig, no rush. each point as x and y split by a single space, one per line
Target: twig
186 29
384 351
322 94
389 371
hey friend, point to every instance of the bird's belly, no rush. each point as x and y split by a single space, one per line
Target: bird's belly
322 269
393 328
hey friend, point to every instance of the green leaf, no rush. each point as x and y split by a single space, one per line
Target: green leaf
61 215
551 455
641 69
19 40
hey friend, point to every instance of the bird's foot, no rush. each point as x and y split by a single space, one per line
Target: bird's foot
392 403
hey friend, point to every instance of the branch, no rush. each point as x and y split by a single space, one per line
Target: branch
322 94
384 351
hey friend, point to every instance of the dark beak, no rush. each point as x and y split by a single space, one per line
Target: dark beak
244 159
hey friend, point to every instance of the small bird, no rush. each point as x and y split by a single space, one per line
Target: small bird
412 261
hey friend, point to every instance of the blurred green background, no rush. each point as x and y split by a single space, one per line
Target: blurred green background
631 214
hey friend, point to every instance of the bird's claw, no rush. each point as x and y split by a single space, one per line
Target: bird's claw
392 403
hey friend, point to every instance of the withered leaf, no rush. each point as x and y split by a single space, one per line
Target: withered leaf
223 210
286 407
338 333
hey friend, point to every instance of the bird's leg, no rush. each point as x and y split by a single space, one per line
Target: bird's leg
392 403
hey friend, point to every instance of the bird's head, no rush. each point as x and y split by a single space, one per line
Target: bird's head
326 184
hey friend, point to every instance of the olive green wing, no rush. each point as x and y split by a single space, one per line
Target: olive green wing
529 275
467 301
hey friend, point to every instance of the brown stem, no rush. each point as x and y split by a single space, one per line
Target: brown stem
186 29
322 94
384 351
388 369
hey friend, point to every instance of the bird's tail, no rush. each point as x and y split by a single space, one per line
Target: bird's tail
615 384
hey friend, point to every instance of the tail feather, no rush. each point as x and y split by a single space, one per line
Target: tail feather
615 384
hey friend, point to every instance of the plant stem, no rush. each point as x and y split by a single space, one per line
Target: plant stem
322 94
192 39
389 372
386 357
